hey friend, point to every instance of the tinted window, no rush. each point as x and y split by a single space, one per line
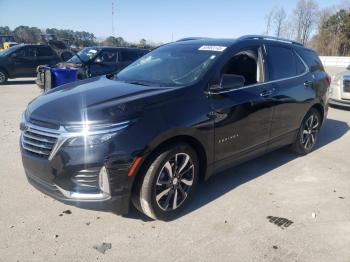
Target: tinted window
281 62
129 56
20 53
311 59
30 51
44 51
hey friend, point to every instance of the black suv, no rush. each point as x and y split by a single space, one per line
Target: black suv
178 115
96 61
22 60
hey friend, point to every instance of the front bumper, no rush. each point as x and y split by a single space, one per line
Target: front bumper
74 178
115 204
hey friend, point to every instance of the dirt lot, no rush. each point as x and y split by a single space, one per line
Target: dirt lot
278 207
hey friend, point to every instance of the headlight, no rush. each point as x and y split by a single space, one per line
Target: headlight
89 140
89 134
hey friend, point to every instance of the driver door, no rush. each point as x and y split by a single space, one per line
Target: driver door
242 116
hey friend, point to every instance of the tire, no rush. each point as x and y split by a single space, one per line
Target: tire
3 77
168 183
308 133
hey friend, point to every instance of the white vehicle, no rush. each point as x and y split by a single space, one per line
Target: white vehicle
339 94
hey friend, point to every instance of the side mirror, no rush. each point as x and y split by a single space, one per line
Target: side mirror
348 67
14 55
228 82
98 60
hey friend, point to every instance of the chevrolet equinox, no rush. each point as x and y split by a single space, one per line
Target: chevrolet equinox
175 116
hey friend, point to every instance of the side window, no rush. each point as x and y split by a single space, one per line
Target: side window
44 51
281 62
20 53
129 56
108 57
311 59
247 63
31 52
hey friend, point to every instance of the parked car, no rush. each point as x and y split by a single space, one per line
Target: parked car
181 113
22 60
340 89
93 61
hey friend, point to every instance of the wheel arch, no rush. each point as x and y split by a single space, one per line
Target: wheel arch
153 150
319 107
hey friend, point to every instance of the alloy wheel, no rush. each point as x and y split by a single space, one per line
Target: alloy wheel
310 132
174 182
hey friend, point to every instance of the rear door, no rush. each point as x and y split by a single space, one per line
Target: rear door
292 85
45 56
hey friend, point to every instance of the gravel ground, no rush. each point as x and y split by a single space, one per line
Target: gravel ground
278 207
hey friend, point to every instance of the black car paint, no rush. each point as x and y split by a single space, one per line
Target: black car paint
225 129
24 65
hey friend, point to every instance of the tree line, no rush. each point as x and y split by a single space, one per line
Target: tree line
325 30
79 39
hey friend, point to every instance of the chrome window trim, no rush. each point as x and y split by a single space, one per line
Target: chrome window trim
307 70
63 135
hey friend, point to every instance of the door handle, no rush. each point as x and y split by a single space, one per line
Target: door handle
308 83
267 92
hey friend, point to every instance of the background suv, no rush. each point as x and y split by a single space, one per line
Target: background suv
22 60
340 89
179 114
96 61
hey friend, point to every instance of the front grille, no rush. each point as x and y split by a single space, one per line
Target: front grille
38 142
346 85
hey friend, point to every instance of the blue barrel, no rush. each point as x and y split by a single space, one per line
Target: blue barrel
61 76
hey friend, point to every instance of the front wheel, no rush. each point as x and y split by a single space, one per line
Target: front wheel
169 182
308 133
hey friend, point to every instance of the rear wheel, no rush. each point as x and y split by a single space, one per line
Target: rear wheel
3 77
308 133
169 182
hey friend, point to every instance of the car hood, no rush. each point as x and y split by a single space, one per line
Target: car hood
97 100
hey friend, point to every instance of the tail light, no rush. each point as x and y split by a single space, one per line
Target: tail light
329 80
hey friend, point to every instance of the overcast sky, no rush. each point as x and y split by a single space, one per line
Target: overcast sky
156 20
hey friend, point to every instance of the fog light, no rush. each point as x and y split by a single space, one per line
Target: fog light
103 181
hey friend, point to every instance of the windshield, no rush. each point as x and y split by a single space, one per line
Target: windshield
85 55
8 51
172 65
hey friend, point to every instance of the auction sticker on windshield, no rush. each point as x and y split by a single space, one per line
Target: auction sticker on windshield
216 48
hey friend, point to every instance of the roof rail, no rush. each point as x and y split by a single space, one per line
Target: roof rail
271 38
191 38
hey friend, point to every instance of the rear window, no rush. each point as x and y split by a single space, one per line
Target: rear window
311 59
281 62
